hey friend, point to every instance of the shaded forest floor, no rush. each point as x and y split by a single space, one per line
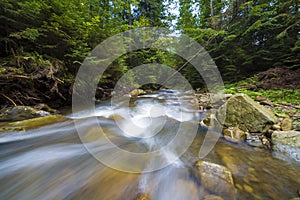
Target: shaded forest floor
279 78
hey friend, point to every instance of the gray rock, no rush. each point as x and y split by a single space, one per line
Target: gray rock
253 140
18 113
287 142
243 112
296 126
290 138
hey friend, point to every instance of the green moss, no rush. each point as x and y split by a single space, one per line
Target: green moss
33 123
276 96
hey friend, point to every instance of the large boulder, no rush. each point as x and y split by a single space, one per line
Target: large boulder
290 138
287 142
243 112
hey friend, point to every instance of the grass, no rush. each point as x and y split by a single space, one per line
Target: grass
276 96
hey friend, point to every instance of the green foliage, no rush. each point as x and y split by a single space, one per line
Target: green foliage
30 34
243 37
276 96
2 70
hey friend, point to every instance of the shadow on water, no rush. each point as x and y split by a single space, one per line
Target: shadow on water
50 162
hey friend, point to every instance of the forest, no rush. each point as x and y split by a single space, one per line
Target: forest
88 109
43 43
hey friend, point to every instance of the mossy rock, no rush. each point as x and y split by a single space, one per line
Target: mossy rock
33 123
18 113
243 112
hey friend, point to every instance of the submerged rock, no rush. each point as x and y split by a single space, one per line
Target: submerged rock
287 142
18 113
243 112
216 179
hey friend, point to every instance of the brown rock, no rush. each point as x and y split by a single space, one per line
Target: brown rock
216 179
260 98
234 133
137 92
276 127
143 197
286 124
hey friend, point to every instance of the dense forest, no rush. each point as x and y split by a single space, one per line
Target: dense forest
43 43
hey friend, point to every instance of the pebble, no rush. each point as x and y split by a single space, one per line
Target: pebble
281 115
248 189
276 127
238 186
251 170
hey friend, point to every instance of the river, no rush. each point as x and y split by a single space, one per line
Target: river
95 155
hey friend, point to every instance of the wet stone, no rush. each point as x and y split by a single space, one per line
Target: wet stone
137 92
253 140
234 134
216 178
143 197
36 122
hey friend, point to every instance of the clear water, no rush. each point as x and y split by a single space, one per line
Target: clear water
52 162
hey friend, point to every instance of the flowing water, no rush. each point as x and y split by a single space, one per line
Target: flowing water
64 161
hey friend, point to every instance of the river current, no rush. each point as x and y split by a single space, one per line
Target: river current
95 154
